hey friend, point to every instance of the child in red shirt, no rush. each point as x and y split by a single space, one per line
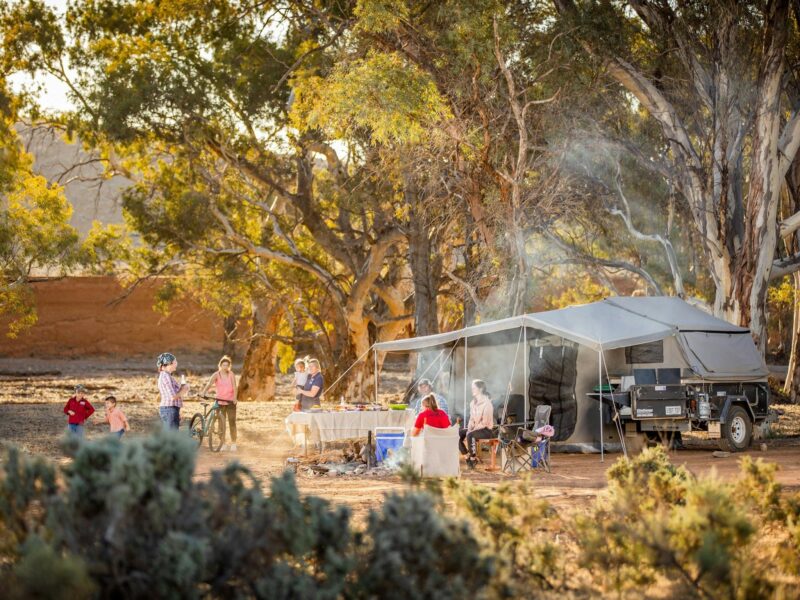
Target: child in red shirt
432 416
78 409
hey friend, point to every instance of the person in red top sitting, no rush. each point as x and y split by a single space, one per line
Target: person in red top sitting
431 415
78 409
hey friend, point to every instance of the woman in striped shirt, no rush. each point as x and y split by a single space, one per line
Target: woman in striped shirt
171 391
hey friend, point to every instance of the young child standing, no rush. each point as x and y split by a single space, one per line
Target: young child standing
118 422
300 378
78 409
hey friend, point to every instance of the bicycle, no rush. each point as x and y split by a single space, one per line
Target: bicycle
210 423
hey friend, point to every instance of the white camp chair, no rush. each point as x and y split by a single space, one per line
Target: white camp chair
434 452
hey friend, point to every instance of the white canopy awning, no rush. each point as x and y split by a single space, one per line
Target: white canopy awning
620 322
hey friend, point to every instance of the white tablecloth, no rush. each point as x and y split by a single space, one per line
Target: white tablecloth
332 426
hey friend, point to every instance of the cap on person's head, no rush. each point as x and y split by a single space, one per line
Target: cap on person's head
424 381
313 361
299 361
80 388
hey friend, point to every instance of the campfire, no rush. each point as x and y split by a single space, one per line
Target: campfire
355 459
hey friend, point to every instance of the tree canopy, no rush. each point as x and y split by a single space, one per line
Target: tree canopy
347 172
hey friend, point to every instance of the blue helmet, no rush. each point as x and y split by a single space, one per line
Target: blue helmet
165 359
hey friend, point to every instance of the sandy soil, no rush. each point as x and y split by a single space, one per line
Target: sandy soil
31 418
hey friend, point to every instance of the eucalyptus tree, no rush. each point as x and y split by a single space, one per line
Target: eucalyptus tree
482 99
195 101
712 76
36 237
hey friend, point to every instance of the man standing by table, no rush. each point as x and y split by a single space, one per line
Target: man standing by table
425 387
311 392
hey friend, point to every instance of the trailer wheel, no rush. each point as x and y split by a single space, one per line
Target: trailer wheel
737 430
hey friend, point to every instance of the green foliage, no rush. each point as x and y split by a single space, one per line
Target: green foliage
757 487
413 552
130 521
380 15
518 531
43 573
391 97
656 519
35 234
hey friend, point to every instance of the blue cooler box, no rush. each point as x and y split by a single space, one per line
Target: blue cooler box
388 440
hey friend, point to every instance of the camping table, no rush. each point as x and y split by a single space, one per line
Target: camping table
331 426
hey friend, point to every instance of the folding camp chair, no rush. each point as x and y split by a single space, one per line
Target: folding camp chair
525 449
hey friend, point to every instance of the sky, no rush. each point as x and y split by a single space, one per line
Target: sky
54 95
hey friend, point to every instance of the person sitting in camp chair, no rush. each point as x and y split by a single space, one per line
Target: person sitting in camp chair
431 415
525 449
481 421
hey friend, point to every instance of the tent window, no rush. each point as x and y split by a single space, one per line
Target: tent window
645 353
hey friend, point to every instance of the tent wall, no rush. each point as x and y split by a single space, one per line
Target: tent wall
493 364
552 376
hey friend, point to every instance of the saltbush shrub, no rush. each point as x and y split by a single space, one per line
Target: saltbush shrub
127 520
657 522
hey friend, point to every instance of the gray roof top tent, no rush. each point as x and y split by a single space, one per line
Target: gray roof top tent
558 357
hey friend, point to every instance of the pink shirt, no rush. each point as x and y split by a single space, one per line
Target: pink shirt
481 414
225 386
117 420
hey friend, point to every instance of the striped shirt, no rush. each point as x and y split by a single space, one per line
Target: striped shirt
169 389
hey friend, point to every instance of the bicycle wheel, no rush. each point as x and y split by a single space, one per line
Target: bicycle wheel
196 426
216 432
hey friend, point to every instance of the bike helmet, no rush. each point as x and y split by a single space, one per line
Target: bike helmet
165 359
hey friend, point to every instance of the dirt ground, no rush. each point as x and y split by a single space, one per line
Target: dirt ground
31 417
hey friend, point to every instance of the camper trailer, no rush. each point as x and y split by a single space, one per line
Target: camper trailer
618 373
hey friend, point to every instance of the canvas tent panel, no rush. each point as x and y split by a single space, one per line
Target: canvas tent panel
717 356
441 339
551 380
673 312
612 323
498 366
600 325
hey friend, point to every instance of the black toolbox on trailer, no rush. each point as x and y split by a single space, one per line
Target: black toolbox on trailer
658 402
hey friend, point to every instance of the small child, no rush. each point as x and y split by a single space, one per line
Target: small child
300 378
115 417
78 409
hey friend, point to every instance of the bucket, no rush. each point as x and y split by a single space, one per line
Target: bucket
388 440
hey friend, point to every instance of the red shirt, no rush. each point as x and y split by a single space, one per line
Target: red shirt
430 418
82 409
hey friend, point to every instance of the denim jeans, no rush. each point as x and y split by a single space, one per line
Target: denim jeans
119 433
75 429
170 416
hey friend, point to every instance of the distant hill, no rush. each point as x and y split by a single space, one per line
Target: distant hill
93 198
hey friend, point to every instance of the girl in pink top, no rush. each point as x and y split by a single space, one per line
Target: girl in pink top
224 382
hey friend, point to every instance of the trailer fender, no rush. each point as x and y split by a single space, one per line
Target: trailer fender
736 401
